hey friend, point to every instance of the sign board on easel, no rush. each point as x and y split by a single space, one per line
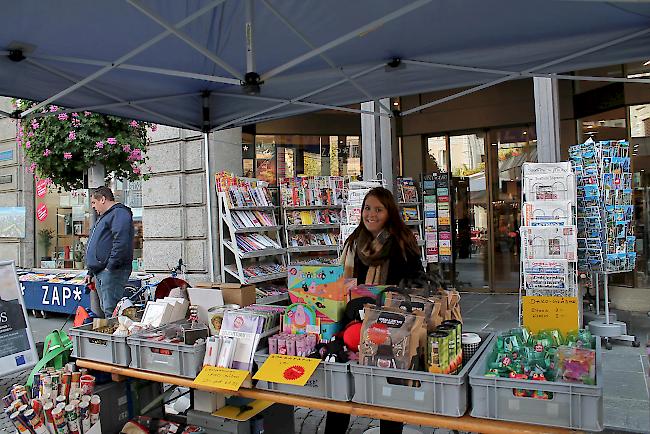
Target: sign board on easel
17 351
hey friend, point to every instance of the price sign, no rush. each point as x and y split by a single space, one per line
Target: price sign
41 212
279 368
222 378
550 313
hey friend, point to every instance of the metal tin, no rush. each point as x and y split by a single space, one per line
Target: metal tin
452 345
437 357
458 361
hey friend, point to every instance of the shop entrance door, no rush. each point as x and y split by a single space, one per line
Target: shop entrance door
509 149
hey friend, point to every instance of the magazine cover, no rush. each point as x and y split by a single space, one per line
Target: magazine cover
548 213
549 242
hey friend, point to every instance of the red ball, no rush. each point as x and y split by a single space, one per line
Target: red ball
352 336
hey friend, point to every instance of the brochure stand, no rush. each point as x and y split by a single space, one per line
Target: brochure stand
605 233
548 232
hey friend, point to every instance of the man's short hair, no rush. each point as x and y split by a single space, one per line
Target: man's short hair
103 191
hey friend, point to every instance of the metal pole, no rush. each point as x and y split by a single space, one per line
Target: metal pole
597 295
605 292
208 200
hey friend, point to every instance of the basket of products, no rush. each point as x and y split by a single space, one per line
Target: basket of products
544 378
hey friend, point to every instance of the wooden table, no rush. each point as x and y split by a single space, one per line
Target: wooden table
463 423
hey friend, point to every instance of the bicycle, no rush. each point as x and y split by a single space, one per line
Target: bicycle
152 291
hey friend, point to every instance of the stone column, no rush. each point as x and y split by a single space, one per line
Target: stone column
16 190
379 151
547 119
175 218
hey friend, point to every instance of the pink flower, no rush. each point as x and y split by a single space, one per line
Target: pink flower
30 134
99 145
75 115
46 152
126 148
28 144
35 124
67 155
136 155
32 168
72 135
154 127
136 170
54 108
63 116
111 141
134 124
87 113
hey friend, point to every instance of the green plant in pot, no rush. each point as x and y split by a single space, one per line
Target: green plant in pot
79 249
45 237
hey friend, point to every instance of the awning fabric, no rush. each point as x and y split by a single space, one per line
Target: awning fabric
64 41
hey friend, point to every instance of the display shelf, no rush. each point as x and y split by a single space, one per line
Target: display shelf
413 222
319 248
411 206
463 423
258 229
257 279
254 208
232 257
312 227
272 299
310 207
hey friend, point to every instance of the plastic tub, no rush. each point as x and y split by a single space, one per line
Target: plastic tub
443 394
575 406
100 347
329 381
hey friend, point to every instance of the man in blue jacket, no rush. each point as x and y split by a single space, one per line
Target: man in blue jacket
110 248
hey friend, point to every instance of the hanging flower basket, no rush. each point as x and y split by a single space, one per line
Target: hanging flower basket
62 147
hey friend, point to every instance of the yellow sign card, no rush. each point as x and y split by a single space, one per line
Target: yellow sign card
222 378
550 313
243 413
279 368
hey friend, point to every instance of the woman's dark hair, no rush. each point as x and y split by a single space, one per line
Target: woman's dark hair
394 224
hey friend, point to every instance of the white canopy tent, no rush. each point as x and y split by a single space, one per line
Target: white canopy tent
214 64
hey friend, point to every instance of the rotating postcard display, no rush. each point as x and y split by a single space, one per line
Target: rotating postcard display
548 231
437 218
605 232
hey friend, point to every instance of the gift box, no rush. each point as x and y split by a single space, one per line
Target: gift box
358 291
326 309
328 329
320 287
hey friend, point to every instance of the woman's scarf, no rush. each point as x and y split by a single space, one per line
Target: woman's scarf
372 252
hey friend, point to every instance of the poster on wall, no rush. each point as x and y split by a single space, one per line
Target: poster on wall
17 351
12 222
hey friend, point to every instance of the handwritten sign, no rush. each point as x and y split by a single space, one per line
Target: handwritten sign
280 368
550 313
222 378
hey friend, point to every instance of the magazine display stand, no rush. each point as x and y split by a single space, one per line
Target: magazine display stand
548 232
409 205
437 218
606 241
249 235
311 211
351 217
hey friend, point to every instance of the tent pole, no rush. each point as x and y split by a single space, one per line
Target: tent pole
459 94
345 38
307 95
248 33
106 94
185 38
152 70
323 56
208 179
124 58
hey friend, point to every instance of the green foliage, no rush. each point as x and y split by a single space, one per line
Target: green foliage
45 237
61 147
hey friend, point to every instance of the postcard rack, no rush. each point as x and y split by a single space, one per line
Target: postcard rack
606 241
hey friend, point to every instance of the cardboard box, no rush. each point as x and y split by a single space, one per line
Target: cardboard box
233 293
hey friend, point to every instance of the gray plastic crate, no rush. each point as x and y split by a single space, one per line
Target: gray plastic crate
216 424
174 359
329 381
576 406
443 394
100 347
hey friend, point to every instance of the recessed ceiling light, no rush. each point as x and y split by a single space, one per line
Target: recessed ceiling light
395 103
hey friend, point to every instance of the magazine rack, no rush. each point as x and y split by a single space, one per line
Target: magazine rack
264 259
606 241
311 211
548 232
